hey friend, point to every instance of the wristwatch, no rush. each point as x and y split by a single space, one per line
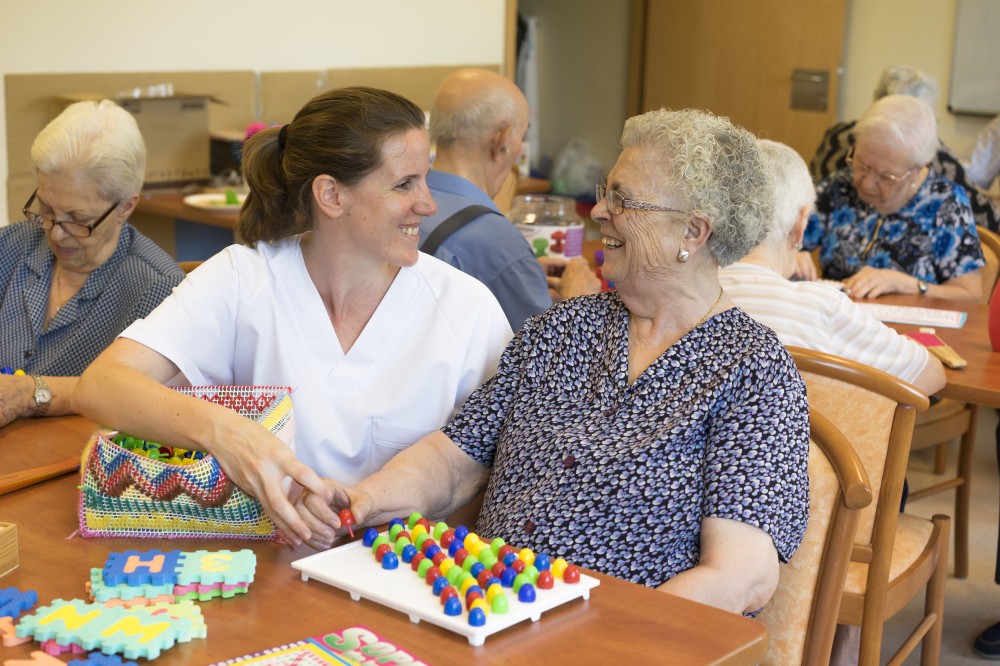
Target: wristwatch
43 396
922 287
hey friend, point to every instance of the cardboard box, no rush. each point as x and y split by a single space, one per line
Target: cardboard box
175 130
8 548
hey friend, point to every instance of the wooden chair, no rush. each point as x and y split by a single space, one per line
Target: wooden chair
895 554
188 266
802 615
949 421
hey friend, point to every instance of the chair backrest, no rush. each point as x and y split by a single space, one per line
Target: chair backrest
990 242
802 615
876 412
188 266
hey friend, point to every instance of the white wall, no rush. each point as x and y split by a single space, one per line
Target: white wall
919 33
45 36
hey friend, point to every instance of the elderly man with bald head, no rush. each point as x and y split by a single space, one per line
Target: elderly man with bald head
478 122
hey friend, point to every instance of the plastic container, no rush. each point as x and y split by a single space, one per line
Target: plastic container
550 223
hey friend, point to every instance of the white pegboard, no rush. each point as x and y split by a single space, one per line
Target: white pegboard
353 568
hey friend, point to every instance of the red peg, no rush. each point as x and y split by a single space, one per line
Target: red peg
483 577
545 580
381 551
571 575
498 569
415 562
447 593
518 566
347 520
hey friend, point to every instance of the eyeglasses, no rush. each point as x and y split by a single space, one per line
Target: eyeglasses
74 229
884 179
617 203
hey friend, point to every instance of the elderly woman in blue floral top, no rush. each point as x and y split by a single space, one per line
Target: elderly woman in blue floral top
890 224
655 433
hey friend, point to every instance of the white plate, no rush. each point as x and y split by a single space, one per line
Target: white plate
353 568
214 201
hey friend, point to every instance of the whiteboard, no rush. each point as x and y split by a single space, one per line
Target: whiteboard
975 67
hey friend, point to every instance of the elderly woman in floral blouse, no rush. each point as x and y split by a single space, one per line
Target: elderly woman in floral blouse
655 433
890 224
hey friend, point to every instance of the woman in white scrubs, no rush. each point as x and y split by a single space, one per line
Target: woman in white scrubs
328 295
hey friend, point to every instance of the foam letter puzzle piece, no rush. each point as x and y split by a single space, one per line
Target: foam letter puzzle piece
141 568
208 567
10 638
98 659
207 592
131 631
13 601
98 590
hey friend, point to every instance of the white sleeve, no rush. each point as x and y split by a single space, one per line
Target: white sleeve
195 327
984 164
859 336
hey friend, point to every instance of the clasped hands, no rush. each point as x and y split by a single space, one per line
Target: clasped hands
320 512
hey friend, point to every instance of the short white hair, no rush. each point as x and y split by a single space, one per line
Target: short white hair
908 120
99 140
906 80
792 185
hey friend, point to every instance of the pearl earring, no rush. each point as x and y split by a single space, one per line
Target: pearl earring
683 255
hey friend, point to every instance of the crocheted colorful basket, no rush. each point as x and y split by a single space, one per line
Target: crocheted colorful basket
129 494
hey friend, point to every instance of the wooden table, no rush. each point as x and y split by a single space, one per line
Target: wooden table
172 206
979 381
621 622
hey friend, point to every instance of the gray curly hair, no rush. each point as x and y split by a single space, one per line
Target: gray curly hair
717 170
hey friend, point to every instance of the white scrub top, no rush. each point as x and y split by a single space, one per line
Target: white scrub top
252 316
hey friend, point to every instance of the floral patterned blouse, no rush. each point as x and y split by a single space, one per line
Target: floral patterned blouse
617 477
932 237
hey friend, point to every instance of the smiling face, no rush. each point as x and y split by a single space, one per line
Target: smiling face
876 157
385 209
638 243
68 196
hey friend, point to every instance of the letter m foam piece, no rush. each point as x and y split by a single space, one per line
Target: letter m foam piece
134 632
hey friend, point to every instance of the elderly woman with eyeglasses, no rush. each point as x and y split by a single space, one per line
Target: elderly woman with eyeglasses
75 273
655 433
888 223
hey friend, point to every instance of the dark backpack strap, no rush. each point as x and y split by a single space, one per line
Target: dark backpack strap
458 220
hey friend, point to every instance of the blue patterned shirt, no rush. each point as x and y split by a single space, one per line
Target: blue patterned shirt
126 287
617 477
932 237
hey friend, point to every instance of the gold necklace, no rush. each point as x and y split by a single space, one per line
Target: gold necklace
704 317
57 295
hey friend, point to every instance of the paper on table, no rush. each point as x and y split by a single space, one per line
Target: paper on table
904 314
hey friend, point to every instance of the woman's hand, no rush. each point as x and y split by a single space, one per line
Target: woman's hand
16 397
259 464
321 515
873 282
569 278
805 267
